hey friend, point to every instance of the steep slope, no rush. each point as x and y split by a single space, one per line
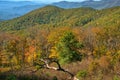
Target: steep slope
111 17
51 16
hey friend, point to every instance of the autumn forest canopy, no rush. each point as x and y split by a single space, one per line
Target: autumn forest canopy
53 43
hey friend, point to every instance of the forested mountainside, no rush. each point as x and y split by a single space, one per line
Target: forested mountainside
52 16
53 43
49 16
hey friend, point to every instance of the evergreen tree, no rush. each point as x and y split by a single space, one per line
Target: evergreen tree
68 48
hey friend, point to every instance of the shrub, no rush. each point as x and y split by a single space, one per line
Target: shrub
104 62
24 77
116 78
82 74
28 77
54 78
93 67
11 77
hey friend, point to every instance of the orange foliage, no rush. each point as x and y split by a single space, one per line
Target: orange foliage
104 62
78 32
30 54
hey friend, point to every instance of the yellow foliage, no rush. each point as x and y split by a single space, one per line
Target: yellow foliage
108 53
53 53
31 57
14 60
93 67
55 35
99 51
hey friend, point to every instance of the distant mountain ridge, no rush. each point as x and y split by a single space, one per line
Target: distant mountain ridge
89 3
12 9
66 4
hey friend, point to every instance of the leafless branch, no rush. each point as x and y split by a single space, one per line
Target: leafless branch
59 68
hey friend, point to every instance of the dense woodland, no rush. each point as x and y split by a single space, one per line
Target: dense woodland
83 43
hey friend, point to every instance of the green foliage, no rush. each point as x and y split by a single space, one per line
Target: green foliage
116 58
111 16
116 78
101 39
26 77
54 78
82 74
51 16
11 77
67 48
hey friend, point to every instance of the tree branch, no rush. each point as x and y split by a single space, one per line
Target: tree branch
48 61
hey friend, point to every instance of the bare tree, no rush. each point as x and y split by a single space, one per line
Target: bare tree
47 64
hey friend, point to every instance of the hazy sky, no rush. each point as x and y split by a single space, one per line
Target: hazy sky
48 0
